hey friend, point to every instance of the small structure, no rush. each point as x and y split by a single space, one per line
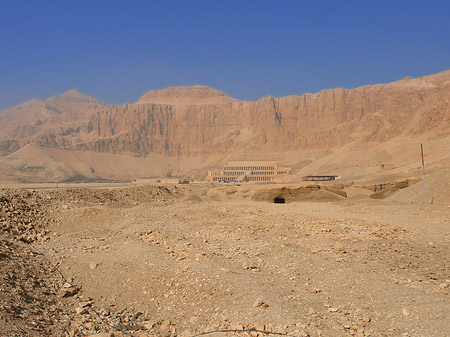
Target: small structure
245 171
320 178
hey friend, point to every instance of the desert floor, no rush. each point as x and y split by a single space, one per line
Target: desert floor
190 259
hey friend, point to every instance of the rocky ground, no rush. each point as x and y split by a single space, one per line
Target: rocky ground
191 259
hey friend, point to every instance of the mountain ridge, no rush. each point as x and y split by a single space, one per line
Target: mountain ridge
198 121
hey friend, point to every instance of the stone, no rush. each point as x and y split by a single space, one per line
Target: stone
148 324
366 318
443 285
67 291
236 327
311 311
85 303
165 325
93 265
80 310
406 312
360 333
258 303
258 326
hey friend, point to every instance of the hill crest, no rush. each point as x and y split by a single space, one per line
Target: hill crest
196 94
73 94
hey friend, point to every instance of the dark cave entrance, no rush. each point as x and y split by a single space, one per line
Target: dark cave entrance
279 200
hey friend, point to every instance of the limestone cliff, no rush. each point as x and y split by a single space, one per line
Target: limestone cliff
200 121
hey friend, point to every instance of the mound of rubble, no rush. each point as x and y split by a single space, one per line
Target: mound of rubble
35 297
29 215
24 214
29 301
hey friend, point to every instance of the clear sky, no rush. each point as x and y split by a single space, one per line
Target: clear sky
117 50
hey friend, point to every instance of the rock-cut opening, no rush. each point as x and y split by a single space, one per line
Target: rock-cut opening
279 200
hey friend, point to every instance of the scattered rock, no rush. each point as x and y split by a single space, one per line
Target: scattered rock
93 265
258 303
80 310
258 326
67 290
85 303
368 246
443 285
148 324
165 325
366 318
84 298
236 327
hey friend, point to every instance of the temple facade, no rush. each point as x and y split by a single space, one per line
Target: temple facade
246 171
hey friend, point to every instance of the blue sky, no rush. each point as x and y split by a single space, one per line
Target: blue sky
117 50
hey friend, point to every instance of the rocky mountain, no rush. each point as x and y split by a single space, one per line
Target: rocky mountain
47 122
204 122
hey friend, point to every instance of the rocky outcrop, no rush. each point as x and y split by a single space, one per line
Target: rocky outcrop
200 121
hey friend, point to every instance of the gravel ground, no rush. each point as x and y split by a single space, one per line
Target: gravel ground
189 259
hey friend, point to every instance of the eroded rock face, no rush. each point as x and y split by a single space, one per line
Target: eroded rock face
199 120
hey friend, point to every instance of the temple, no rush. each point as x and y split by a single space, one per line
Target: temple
246 171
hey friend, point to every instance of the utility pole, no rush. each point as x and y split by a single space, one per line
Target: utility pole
423 169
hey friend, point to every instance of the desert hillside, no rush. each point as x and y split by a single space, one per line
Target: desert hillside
181 123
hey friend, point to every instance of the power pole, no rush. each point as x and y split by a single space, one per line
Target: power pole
423 169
